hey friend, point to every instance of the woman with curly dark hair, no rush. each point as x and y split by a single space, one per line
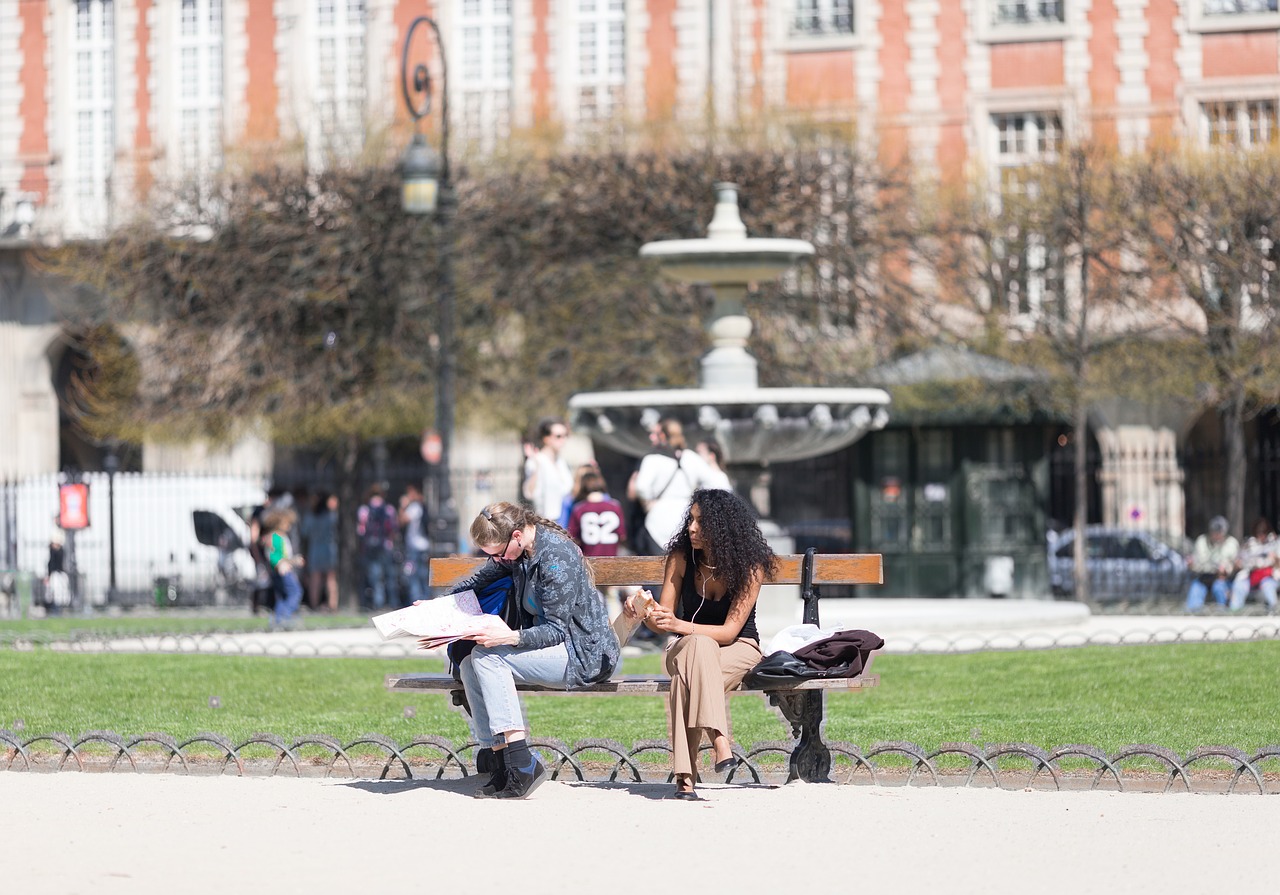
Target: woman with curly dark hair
715 565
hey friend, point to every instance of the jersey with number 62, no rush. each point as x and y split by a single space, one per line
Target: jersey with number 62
597 526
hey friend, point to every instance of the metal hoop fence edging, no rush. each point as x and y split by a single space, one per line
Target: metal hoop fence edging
1138 767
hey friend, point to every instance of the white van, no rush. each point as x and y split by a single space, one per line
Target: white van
176 534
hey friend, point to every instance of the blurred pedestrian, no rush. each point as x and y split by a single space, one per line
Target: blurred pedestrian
575 495
413 523
57 584
321 536
547 477
597 522
1213 564
263 594
711 452
376 526
278 548
663 484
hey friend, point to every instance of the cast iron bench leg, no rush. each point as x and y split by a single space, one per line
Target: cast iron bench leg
811 759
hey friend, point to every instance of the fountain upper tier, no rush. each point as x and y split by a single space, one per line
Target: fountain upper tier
728 260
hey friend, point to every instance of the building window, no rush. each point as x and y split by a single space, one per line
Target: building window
1233 15
199 47
1023 138
1030 270
1032 274
1236 7
602 60
91 151
1242 123
340 74
822 18
484 75
1021 12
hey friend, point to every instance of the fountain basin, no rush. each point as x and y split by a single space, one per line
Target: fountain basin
752 425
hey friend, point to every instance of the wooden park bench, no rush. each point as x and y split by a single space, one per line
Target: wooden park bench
802 704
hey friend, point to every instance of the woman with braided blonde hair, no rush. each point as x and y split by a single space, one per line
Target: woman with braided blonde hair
554 631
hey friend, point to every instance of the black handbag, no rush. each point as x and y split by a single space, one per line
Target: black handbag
779 668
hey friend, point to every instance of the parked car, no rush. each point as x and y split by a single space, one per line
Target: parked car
1122 565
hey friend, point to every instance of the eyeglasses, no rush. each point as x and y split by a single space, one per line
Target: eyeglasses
558 435
501 557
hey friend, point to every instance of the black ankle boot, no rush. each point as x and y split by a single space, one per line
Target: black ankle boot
524 773
494 761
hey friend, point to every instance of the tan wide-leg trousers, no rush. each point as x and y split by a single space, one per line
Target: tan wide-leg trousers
702 673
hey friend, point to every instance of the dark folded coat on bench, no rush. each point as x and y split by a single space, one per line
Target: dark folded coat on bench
843 654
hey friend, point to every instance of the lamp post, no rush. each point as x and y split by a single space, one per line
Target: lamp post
111 463
426 190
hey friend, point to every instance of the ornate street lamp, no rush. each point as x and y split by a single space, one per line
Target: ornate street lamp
425 190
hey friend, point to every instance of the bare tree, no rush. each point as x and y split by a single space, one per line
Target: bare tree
1032 268
1074 210
1207 225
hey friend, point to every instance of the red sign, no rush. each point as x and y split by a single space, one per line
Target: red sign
890 490
73 506
432 447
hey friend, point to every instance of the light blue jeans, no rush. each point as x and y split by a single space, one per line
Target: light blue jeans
380 574
288 597
415 574
489 676
1197 591
1240 591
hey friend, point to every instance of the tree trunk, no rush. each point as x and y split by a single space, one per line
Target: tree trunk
1233 444
349 573
1080 519
1079 405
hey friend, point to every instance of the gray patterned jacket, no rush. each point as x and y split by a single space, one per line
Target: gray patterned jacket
575 613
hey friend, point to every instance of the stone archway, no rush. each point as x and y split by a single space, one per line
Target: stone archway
29 324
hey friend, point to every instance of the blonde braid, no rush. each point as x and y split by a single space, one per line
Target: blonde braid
497 521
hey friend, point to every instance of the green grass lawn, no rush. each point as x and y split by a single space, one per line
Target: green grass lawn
175 622
1177 696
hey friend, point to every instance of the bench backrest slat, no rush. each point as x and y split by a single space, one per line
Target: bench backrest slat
844 568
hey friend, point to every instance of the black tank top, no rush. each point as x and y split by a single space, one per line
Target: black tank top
693 608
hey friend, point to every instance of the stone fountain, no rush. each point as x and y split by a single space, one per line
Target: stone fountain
754 426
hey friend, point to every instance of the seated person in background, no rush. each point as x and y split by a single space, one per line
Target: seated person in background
1257 567
1213 563
714 568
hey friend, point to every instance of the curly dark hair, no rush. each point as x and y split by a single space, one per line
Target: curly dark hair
734 541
